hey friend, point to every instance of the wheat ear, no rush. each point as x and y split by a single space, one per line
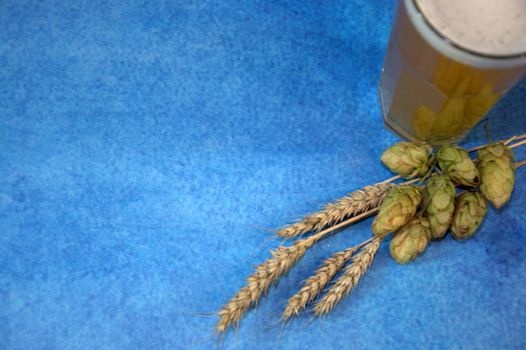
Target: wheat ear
349 279
354 203
317 282
266 274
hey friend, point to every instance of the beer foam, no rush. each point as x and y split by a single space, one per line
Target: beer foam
491 27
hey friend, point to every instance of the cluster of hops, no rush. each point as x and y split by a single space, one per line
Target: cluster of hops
419 214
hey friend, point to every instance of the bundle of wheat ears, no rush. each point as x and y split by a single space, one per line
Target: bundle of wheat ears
417 211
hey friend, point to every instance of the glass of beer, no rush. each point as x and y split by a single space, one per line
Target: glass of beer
448 62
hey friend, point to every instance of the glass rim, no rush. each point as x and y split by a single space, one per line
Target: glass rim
450 42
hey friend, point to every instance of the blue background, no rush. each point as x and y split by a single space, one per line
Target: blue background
148 148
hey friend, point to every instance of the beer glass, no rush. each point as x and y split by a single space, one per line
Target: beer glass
439 79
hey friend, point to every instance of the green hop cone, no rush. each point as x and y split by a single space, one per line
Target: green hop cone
497 173
439 204
457 164
470 210
410 241
408 159
398 207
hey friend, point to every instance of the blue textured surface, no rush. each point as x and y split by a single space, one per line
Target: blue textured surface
147 146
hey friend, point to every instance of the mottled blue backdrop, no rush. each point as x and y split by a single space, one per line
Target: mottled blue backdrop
148 147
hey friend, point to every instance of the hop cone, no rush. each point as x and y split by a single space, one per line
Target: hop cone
470 209
408 159
410 241
455 162
398 207
497 173
439 201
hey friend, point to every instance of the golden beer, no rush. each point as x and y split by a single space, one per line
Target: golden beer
435 88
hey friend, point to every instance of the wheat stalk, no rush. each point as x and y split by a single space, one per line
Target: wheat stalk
519 164
260 281
284 258
268 272
523 142
349 279
354 203
317 282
